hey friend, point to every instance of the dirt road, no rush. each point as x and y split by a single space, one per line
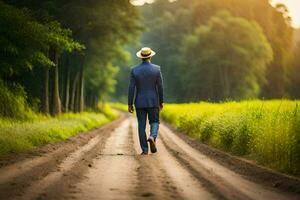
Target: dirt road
105 164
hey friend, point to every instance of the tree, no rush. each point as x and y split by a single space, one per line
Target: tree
276 25
60 40
23 41
294 74
227 59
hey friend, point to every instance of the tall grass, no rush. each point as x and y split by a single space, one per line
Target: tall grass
265 131
16 136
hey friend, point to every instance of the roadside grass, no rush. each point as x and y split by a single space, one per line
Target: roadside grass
17 135
119 106
265 131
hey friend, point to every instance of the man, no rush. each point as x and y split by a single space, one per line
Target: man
146 85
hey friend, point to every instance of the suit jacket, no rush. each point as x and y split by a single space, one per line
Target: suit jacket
146 86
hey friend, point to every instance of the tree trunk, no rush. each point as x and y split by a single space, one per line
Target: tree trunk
56 99
45 105
88 99
95 103
73 94
227 83
81 88
67 89
77 95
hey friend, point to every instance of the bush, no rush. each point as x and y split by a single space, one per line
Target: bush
13 102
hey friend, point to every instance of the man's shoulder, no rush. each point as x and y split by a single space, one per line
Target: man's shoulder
141 65
135 67
155 66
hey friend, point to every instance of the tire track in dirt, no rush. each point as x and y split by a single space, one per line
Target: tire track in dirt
113 172
35 189
221 180
162 177
153 183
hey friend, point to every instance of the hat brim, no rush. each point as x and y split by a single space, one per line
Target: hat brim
139 54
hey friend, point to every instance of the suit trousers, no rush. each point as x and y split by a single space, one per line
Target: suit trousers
153 117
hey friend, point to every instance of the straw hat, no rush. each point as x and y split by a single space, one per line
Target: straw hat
145 52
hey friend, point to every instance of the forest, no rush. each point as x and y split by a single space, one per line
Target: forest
61 56
205 47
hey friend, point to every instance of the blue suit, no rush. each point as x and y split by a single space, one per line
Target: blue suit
146 80
146 93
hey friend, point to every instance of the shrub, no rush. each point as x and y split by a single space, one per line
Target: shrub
13 102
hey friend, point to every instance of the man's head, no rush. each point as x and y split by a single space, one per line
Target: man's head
145 54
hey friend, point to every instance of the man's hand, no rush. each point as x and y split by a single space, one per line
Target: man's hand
130 108
161 106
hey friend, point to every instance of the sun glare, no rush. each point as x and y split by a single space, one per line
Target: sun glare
142 2
293 7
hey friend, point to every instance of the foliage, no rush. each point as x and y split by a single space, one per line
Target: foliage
265 131
61 39
276 25
296 36
22 41
13 102
25 42
220 52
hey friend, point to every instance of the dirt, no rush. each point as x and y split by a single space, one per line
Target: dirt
105 163
247 168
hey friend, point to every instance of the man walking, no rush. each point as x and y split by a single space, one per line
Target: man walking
146 92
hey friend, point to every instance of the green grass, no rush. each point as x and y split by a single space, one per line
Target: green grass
119 106
17 136
265 131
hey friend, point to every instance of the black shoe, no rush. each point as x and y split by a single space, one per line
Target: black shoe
152 145
144 153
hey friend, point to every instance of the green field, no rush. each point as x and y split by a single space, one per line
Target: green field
17 136
265 131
